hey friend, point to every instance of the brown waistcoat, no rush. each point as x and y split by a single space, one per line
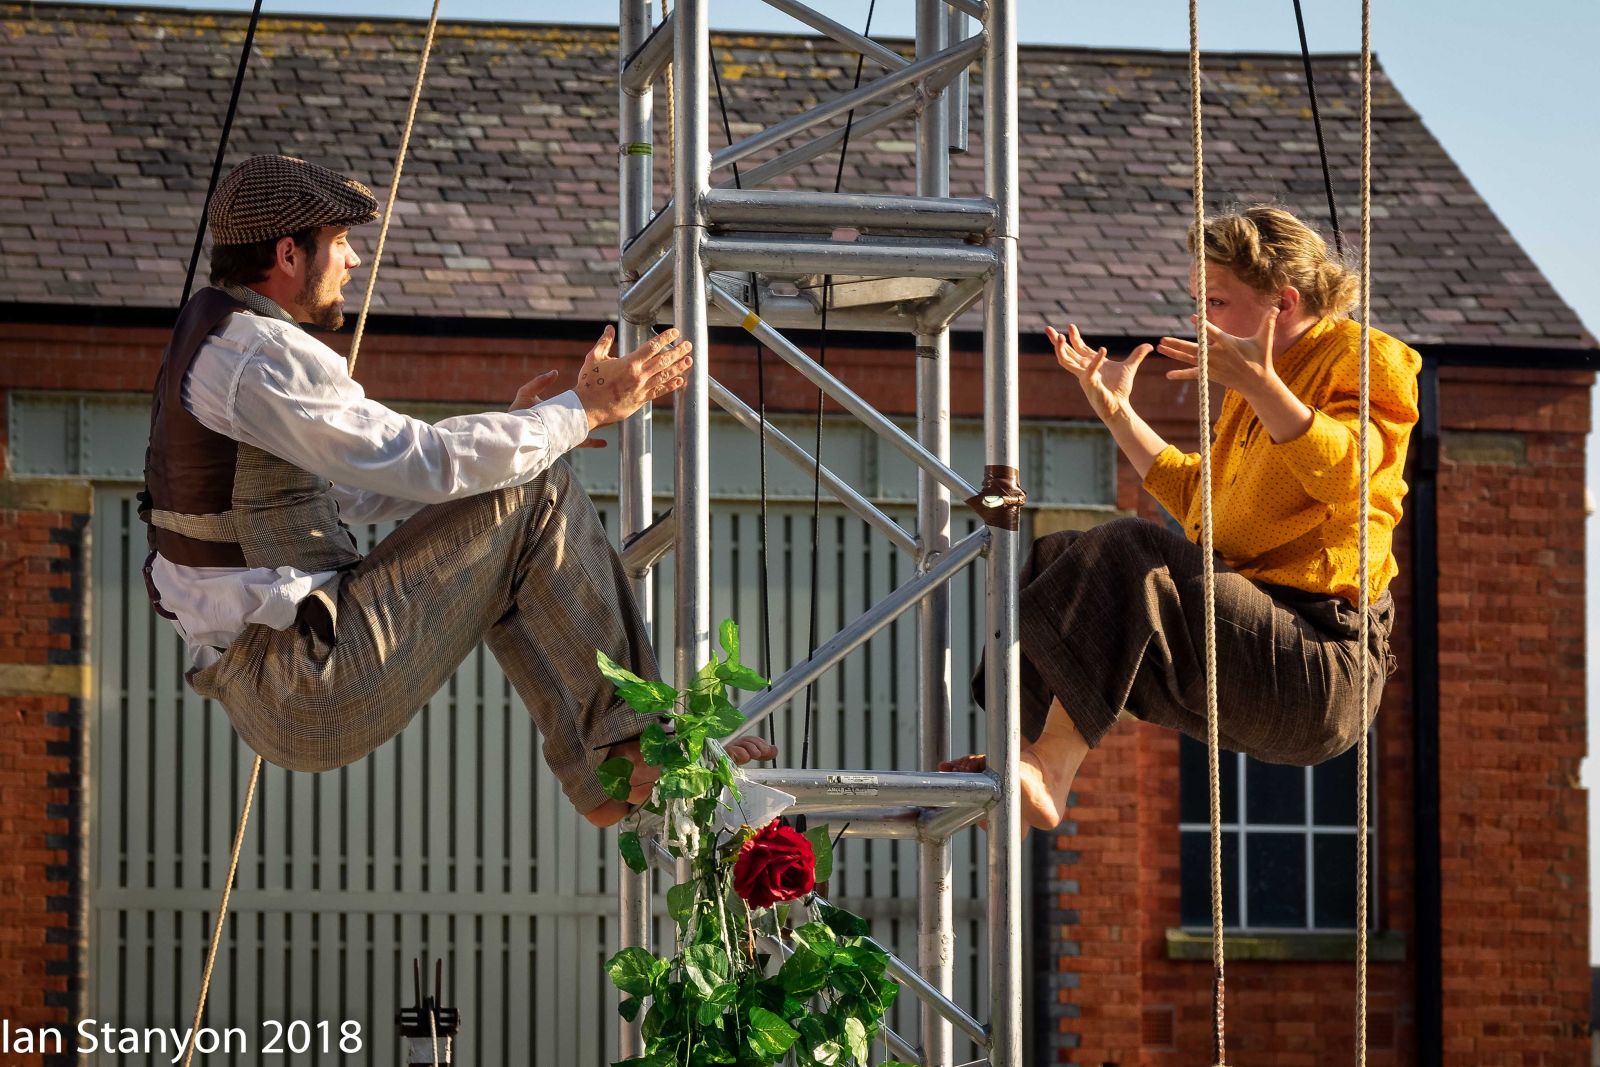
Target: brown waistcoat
211 501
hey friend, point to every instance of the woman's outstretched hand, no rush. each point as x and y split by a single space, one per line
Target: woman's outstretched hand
1107 383
1243 364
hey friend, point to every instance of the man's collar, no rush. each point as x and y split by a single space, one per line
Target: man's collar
256 303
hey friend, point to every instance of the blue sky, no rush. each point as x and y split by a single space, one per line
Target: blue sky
1509 89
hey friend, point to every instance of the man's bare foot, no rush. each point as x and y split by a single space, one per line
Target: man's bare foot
742 751
1043 793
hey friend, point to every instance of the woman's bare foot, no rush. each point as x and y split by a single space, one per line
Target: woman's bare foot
1046 769
1043 794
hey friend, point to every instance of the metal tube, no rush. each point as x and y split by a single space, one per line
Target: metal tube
765 209
641 550
1001 449
957 94
860 632
644 246
874 51
924 789
841 489
633 490
798 313
841 393
691 176
645 62
935 908
950 304
949 63
943 825
798 156
807 255
643 299
976 8
931 996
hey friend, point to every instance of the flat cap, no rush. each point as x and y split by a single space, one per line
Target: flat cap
273 196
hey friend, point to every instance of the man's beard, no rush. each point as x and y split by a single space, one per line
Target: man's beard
326 312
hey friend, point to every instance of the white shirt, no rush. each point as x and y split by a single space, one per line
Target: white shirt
270 384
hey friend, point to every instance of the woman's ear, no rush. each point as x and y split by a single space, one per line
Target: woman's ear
1288 300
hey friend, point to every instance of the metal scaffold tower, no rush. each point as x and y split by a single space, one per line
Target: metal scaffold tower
718 251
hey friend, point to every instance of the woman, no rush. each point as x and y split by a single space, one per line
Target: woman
1112 619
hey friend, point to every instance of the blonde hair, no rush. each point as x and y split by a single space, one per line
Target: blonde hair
1267 248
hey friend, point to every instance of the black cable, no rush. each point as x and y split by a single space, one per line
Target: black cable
222 150
822 361
761 415
1316 119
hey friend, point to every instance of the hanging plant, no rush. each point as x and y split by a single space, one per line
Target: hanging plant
741 987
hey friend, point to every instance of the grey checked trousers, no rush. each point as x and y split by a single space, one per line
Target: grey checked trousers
528 569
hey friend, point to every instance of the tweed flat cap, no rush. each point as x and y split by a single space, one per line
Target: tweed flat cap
273 196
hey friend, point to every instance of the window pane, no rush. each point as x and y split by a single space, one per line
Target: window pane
1274 794
1333 791
1194 865
1194 783
1276 865
1335 859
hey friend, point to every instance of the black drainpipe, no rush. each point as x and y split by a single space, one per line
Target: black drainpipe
1428 882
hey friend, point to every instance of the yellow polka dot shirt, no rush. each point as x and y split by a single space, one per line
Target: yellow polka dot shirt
1289 513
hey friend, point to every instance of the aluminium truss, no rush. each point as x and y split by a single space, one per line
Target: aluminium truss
714 253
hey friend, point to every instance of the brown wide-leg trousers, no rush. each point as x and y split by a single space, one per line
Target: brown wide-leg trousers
1112 619
527 569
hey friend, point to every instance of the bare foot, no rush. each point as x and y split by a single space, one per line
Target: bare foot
1043 791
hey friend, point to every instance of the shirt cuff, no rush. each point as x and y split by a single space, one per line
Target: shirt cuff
565 420
1168 479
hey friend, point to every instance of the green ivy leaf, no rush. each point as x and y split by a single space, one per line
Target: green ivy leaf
723 718
706 966
659 748
649 698
686 783
822 849
617 676
843 922
741 677
769 1035
632 850
803 974
712 1008
855 1039
629 1008
680 903
616 777
828 1053
818 938
633 970
729 636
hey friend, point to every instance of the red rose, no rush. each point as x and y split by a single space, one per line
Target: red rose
776 864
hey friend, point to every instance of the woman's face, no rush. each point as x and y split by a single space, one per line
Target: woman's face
1231 305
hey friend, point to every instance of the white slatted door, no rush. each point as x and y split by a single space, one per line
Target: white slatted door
452 840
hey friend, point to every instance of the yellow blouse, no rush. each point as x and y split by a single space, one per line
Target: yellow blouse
1289 513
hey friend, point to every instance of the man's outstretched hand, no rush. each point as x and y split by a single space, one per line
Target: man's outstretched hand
531 394
742 751
612 388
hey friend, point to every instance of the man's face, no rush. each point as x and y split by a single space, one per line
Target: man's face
326 276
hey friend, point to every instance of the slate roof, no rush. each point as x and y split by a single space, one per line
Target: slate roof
109 117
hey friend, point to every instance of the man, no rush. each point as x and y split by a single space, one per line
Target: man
262 447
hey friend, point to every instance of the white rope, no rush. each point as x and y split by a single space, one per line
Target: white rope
1362 755
355 348
1213 748
394 185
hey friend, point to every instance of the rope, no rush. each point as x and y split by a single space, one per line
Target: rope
672 109
222 150
1362 745
394 185
822 361
1316 120
355 347
222 910
1213 750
